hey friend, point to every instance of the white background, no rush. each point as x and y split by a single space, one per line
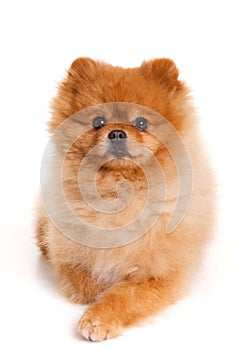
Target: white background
39 40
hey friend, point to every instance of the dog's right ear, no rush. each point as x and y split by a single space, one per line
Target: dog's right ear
83 69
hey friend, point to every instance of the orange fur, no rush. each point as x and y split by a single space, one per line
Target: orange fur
131 282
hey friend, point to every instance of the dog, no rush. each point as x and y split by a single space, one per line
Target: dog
130 117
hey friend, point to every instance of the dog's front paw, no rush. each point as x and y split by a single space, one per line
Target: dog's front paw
98 325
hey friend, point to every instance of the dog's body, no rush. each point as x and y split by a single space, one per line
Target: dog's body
128 283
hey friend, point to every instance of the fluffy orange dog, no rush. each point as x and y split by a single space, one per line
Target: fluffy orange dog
129 282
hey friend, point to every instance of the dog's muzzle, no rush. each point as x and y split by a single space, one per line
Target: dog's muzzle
117 145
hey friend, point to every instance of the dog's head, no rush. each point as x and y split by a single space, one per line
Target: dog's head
119 109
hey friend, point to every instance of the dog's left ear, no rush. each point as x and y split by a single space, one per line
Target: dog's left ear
164 71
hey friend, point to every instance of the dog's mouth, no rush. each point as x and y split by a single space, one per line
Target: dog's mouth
119 151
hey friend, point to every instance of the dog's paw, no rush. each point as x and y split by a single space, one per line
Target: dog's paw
97 326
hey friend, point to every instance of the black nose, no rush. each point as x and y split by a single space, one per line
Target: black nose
117 135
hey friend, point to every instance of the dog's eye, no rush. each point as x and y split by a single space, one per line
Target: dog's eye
98 122
141 123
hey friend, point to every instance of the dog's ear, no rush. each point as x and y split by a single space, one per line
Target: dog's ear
164 71
82 68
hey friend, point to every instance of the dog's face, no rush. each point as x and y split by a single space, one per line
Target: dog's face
96 88
117 134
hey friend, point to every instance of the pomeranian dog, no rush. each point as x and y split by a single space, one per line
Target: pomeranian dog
111 126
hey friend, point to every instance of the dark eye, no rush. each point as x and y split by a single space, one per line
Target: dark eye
98 122
141 123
